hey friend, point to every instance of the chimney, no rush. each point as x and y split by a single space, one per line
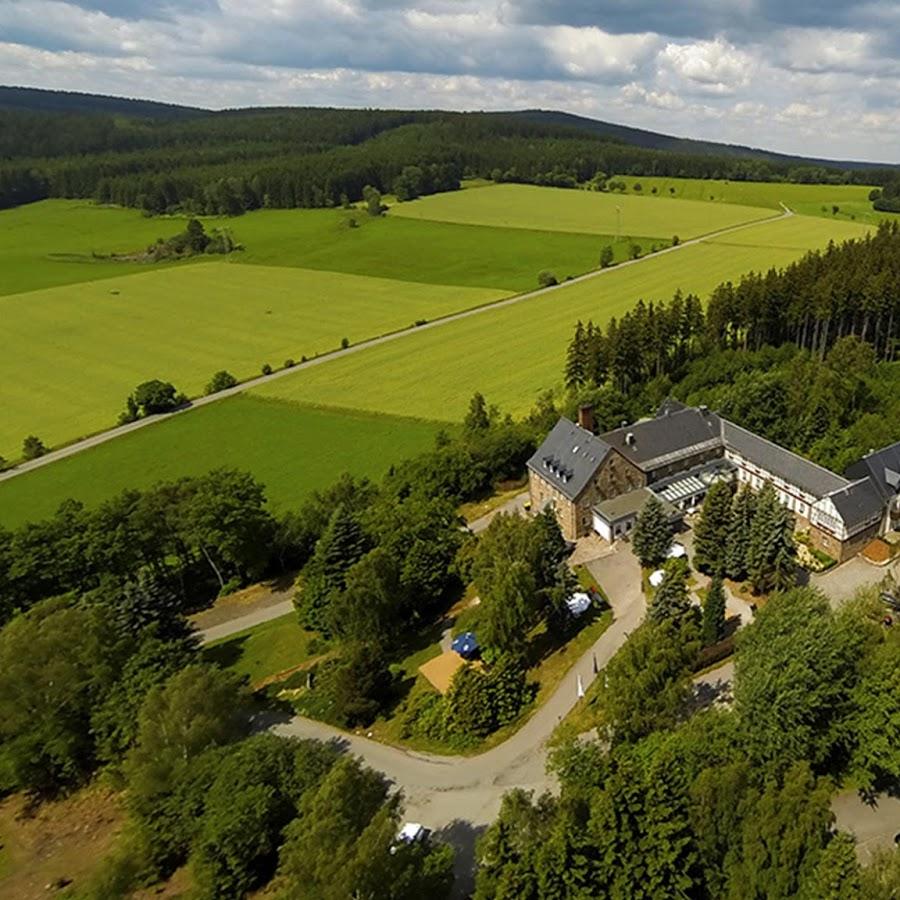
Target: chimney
586 417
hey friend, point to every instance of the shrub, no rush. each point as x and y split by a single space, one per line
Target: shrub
345 343
220 382
289 363
33 447
546 279
266 369
676 240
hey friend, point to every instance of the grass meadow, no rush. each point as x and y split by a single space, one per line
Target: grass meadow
585 212
512 353
72 354
292 449
803 198
51 243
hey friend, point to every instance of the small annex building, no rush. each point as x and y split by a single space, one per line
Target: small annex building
599 483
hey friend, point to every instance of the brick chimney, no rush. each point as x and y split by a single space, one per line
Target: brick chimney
586 417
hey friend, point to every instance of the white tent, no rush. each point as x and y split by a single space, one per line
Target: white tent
676 551
579 603
656 578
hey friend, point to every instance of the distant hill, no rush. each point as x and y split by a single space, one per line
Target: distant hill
39 100
654 140
73 102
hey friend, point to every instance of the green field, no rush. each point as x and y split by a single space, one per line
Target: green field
292 449
51 243
803 198
512 353
585 212
72 354
410 250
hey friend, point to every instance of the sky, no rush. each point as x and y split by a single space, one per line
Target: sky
814 78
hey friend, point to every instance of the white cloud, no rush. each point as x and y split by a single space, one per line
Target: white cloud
744 71
711 66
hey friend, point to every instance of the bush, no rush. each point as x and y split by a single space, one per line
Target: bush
345 343
221 381
289 363
33 447
546 279
266 369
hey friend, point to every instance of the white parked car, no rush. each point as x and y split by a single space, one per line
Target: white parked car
410 833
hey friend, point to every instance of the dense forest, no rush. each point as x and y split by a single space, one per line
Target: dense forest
229 162
804 355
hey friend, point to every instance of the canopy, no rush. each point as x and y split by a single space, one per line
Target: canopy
465 644
656 578
579 603
676 551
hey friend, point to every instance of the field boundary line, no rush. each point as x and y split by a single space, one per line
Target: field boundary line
121 430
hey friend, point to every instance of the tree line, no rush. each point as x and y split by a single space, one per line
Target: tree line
227 163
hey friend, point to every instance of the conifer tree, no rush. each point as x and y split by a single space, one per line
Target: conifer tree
714 612
712 529
576 363
671 601
743 508
652 535
477 418
770 553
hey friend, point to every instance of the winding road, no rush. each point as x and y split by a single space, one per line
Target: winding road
122 430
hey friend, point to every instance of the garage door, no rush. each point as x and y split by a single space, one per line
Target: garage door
602 528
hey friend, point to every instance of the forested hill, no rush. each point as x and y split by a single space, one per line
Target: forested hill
39 100
653 140
227 162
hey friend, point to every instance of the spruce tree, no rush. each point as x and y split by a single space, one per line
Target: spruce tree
743 508
576 362
712 529
714 612
783 575
770 555
477 418
652 535
342 544
671 601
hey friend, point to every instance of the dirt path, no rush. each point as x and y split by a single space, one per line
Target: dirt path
122 430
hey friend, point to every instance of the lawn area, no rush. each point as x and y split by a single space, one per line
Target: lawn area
750 193
585 212
266 650
292 449
72 354
513 353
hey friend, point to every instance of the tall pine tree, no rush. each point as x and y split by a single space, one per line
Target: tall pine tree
743 509
714 612
712 529
652 534
671 600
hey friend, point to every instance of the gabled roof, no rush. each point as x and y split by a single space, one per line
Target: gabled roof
858 504
667 438
883 467
669 406
568 458
808 476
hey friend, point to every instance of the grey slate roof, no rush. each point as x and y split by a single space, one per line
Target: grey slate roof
883 467
568 458
859 504
796 470
667 438
670 405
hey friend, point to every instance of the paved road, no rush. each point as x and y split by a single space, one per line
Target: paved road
874 825
444 791
120 431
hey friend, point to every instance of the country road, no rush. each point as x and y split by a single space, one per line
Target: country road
122 430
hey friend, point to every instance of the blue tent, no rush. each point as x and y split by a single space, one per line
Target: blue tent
465 644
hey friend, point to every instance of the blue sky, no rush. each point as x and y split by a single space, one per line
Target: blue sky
817 78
